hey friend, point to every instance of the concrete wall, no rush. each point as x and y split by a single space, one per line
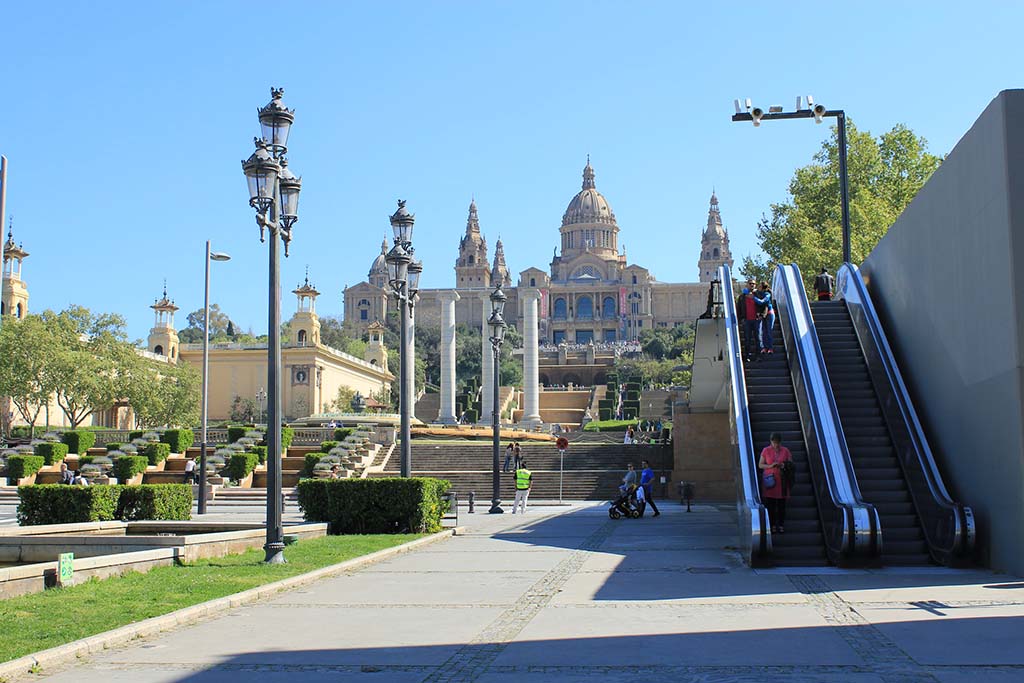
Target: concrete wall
702 454
947 281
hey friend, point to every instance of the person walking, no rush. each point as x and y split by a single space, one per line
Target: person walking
509 452
517 452
746 310
823 284
190 471
647 483
524 480
773 461
767 317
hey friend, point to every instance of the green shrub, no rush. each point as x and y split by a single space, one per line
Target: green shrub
51 452
157 452
606 403
312 459
127 466
287 434
632 395
633 386
613 377
340 433
154 501
471 416
261 453
180 440
375 506
23 432
62 504
630 413
113 446
326 446
79 441
21 466
602 414
240 465
236 433
609 425
136 434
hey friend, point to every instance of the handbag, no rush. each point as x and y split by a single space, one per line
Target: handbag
769 480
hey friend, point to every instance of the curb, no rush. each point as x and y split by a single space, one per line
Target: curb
30 664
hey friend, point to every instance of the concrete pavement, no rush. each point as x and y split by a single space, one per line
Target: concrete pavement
564 593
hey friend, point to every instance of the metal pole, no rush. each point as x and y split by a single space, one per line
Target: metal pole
206 370
275 532
3 189
495 433
844 190
561 469
403 396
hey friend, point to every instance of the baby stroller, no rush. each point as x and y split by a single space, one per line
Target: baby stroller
626 505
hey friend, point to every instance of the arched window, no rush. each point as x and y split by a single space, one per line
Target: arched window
17 312
585 308
158 350
608 308
561 311
533 282
716 252
634 279
302 336
471 260
174 352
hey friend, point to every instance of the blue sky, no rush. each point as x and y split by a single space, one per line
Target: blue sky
125 123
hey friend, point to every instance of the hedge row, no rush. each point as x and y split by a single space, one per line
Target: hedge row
78 441
157 452
60 504
240 465
20 466
326 446
180 440
236 433
127 466
340 433
375 506
261 453
51 452
312 459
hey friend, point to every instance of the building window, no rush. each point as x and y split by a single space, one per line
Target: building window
634 279
639 323
716 252
584 336
533 282
585 309
608 308
364 314
609 335
302 336
561 311
158 350
17 311
558 336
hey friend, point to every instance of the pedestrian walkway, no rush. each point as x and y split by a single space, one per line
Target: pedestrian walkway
565 594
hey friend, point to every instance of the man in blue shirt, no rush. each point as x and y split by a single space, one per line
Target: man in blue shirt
646 481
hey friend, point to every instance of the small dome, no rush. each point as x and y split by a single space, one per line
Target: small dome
589 205
380 265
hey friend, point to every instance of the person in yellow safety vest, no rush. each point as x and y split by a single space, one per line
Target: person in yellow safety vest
524 480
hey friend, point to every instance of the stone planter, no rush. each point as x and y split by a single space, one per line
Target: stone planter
24 481
102 480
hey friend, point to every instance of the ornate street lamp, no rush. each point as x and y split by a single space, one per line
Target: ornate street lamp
404 276
274 193
497 325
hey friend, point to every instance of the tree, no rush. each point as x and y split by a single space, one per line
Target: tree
343 401
219 321
884 176
243 409
27 348
230 332
163 395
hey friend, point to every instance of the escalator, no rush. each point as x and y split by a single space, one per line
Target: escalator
867 436
773 408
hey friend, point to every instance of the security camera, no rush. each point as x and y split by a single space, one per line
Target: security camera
819 111
755 115
810 101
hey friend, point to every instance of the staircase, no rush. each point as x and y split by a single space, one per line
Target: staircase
592 471
773 408
564 407
879 475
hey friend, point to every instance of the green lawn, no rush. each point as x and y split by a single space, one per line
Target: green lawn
61 615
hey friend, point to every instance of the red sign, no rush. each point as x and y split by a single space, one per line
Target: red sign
562 443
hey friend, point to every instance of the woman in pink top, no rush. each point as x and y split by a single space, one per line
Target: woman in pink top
771 467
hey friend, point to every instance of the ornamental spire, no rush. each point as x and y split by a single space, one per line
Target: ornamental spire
588 176
473 222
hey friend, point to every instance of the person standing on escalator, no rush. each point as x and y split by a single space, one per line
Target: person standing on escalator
775 464
766 310
746 310
823 283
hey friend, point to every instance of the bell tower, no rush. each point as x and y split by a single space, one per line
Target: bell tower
14 299
471 269
376 353
163 338
714 244
305 323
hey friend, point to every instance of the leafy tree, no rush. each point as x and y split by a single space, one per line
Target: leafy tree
885 174
163 395
230 332
219 321
27 348
343 401
243 409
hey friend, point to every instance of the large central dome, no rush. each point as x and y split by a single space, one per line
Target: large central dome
589 206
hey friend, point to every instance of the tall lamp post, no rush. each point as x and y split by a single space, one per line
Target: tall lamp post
497 324
261 397
274 193
403 277
818 112
210 256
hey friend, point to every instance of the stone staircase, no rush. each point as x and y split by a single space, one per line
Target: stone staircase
564 407
592 471
656 404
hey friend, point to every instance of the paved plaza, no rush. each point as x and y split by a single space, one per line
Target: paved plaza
565 594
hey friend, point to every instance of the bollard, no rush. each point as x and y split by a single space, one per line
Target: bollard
688 491
472 501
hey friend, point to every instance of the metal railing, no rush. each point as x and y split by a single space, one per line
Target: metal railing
850 526
948 525
755 536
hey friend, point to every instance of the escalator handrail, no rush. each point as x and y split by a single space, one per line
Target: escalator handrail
749 500
947 524
851 527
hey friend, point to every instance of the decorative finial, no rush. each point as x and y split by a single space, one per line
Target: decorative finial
588 175
276 93
10 228
307 275
165 288
401 203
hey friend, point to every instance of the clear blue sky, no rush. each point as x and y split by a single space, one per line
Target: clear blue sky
125 123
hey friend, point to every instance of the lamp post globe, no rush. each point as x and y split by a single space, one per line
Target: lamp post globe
402 223
276 122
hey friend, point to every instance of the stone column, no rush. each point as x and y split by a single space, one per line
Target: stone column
446 413
486 363
531 360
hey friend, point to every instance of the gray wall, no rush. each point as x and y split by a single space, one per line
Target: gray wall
947 281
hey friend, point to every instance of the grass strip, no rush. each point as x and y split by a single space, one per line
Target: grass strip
31 623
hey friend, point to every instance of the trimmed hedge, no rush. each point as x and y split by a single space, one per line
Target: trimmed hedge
127 466
608 403
240 465
78 441
113 446
375 506
23 432
180 440
236 433
51 452
136 434
154 501
287 434
630 413
157 452
609 425
62 504
21 466
326 446
602 414
260 452
312 459
340 433
471 416
632 395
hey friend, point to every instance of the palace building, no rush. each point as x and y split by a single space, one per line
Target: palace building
589 292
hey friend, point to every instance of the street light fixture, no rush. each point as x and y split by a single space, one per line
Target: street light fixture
818 112
274 193
497 324
210 256
404 276
261 396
